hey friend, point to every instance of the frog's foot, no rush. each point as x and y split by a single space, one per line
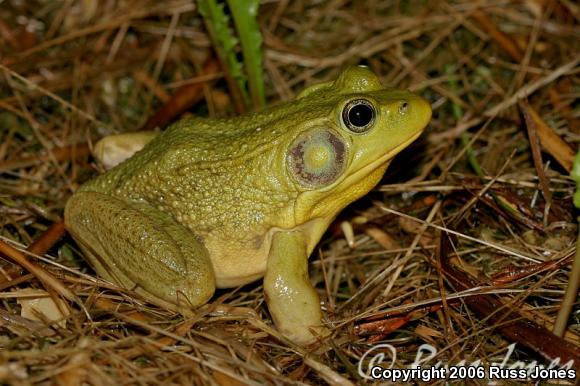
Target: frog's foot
142 248
292 301
114 149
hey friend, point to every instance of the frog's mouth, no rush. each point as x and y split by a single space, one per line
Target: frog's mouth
342 193
359 174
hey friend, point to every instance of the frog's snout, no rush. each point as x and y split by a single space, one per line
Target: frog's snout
425 111
416 110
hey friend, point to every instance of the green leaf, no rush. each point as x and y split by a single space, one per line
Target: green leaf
575 174
217 24
245 15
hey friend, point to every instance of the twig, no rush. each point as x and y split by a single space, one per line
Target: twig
34 86
504 40
58 154
537 157
180 101
532 87
47 239
552 142
509 322
49 281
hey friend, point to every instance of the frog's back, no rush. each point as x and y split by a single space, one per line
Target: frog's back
215 175
204 145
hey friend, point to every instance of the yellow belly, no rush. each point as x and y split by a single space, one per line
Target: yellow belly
237 262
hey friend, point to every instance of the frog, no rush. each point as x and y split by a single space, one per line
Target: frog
222 202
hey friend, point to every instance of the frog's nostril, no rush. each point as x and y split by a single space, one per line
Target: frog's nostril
403 107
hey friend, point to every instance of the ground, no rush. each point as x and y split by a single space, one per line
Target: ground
466 245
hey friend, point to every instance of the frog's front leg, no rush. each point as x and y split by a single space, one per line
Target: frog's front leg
292 301
141 248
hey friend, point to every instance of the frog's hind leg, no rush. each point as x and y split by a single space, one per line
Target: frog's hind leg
142 248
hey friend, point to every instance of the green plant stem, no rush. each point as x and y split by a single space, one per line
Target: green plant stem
570 295
245 15
574 279
224 42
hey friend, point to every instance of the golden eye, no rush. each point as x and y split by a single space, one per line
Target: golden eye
317 158
359 115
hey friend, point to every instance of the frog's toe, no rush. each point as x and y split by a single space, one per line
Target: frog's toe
188 293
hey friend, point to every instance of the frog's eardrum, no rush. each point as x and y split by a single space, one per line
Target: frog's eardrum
317 158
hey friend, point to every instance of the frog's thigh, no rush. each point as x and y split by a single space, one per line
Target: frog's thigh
142 248
293 302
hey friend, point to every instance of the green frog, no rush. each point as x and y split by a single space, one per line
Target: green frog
223 202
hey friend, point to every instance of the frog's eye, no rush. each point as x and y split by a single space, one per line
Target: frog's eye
317 158
358 115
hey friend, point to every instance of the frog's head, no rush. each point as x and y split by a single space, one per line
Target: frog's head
343 155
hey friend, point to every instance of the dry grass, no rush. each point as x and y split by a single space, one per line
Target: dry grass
73 72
